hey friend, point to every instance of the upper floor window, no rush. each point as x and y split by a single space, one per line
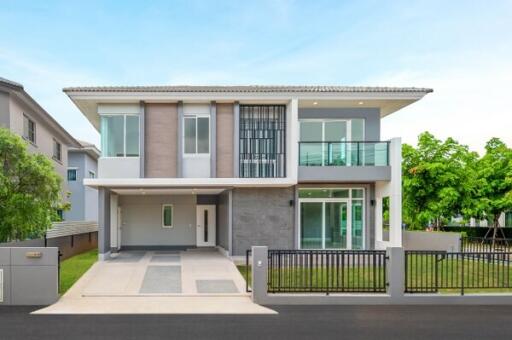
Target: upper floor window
72 175
92 174
57 150
29 129
316 130
120 135
196 135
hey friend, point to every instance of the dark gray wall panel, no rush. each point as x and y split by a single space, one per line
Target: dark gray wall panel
262 217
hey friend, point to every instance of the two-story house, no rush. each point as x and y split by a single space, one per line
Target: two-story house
290 167
21 114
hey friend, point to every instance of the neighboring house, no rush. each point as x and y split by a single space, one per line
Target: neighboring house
82 163
21 114
235 166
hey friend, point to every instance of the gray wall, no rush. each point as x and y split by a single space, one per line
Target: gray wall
84 200
142 220
370 115
103 221
262 216
422 240
345 174
29 281
223 220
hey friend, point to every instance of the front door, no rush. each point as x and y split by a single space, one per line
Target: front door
205 231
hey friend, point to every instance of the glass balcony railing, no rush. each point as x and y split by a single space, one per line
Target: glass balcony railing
343 153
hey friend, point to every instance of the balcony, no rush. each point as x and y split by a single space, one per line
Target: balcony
344 161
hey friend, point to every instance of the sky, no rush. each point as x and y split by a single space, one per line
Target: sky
461 49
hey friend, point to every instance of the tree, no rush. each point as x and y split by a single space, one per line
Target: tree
29 190
438 180
494 194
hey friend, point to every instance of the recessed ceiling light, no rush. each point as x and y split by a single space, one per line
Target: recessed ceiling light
315 103
361 103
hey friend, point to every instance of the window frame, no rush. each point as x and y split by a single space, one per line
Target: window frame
196 154
124 115
76 174
348 200
57 146
164 226
27 136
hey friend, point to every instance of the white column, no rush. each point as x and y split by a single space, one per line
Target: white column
395 194
292 139
114 235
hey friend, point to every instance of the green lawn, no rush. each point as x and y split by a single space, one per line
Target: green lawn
73 268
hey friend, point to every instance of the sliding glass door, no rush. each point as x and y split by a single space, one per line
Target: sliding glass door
331 218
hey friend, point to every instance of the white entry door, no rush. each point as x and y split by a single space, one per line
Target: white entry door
205 231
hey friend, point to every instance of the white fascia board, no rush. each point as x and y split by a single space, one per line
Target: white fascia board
209 96
188 182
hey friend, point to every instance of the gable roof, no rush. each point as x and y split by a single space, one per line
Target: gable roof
17 90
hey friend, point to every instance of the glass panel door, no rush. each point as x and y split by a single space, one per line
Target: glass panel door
335 153
357 224
311 153
311 225
335 225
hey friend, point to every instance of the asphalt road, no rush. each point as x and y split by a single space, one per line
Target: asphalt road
293 322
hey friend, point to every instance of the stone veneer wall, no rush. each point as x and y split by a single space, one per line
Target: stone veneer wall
263 216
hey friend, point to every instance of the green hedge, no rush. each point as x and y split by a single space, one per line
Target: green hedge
476 231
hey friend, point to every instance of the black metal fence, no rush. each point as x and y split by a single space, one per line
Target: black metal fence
432 271
326 271
481 244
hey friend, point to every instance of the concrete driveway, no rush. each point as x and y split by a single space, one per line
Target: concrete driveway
192 281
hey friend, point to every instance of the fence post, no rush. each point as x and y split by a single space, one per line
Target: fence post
396 272
259 269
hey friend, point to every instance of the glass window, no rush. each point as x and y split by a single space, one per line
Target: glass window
112 136
57 150
132 136
120 136
190 135
72 175
311 225
167 216
197 135
203 135
29 129
323 193
92 174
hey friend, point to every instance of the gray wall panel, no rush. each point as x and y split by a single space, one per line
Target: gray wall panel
223 220
142 220
352 174
262 216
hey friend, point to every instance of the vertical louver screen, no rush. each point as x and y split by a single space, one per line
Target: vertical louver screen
262 141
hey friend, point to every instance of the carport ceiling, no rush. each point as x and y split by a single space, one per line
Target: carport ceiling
181 191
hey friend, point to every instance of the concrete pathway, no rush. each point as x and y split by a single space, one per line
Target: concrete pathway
189 282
